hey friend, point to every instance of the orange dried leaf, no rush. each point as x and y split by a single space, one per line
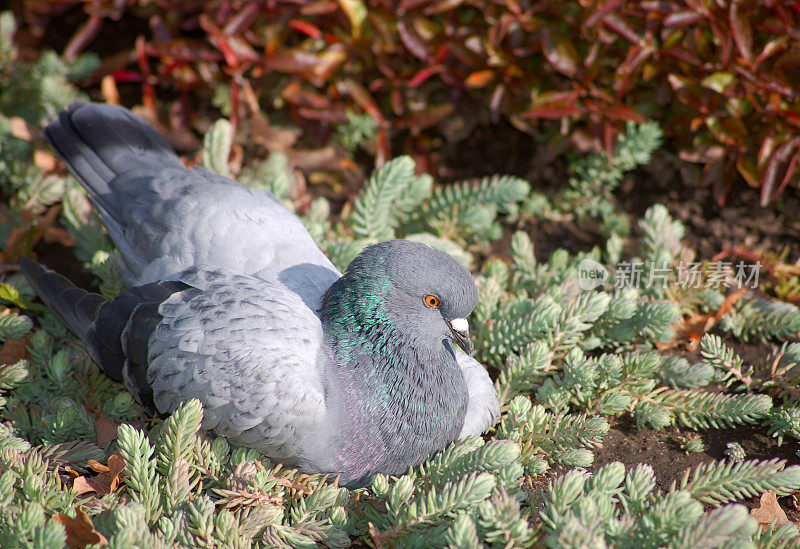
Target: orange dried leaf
106 430
13 350
689 331
20 128
770 511
81 486
106 481
45 160
80 530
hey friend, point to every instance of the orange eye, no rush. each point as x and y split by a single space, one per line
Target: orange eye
431 301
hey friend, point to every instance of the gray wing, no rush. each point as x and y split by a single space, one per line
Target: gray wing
250 351
483 409
164 218
178 219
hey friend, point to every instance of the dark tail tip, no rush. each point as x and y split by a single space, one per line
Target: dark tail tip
75 307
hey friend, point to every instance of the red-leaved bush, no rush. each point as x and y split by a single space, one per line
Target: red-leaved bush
716 74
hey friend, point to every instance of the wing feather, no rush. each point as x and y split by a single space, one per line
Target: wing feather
165 219
178 219
250 350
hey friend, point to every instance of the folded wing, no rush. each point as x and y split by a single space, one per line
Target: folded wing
250 350
165 219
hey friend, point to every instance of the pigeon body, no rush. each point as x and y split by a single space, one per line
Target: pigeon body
230 301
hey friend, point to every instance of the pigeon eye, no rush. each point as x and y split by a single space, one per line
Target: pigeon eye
431 301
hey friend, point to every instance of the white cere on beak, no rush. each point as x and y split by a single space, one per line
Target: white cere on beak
460 325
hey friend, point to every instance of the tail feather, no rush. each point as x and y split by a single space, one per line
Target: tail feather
116 332
100 142
75 307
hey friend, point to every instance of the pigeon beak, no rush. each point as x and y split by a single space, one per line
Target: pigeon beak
459 327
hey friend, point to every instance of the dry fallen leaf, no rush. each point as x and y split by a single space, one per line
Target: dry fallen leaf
770 511
81 485
106 481
45 160
21 129
691 330
14 350
106 429
22 239
80 530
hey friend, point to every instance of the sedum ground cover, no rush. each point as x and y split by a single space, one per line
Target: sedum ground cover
80 464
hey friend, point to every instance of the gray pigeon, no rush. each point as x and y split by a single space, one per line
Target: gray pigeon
230 301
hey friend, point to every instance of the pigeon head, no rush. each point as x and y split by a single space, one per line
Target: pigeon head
426 293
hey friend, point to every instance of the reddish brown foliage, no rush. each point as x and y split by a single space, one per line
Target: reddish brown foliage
717 74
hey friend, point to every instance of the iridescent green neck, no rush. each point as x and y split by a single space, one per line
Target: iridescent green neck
356 320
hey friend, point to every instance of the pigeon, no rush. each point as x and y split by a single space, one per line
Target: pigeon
228 300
